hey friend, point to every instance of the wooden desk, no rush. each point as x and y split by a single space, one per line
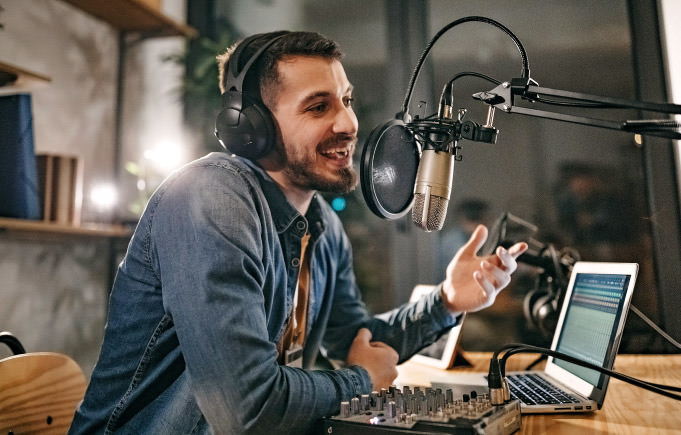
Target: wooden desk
627 409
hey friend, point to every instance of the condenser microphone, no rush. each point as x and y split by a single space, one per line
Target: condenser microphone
433 184
432 189
408 164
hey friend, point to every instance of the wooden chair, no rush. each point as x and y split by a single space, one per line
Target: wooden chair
39 393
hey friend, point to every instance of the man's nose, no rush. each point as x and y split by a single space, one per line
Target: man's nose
345 122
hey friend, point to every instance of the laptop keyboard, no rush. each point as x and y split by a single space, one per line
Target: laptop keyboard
532 389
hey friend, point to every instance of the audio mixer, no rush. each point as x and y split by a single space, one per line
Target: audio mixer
423 410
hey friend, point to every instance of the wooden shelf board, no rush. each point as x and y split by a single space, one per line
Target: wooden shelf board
35 226
16 79
134 16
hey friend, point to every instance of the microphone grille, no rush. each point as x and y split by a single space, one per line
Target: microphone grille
437 210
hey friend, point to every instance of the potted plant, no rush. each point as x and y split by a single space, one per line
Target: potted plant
199 90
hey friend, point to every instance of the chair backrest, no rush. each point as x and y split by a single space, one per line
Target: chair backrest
39 393
12 342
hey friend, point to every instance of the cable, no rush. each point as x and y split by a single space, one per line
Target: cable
448 89
514 348
419 64
539 359
473 74
502 367
661 386
447 96
655 327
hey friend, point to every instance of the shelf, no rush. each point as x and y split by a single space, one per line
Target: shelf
15 80
134 16
24 226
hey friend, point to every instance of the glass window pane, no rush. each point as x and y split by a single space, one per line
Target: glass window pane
583 187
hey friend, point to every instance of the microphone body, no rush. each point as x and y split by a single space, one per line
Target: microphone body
432 189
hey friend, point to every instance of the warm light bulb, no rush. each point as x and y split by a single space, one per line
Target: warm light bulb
104 196
165 156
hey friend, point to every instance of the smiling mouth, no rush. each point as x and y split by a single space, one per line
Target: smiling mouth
336 153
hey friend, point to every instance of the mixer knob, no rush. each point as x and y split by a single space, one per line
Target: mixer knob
345 409
354 406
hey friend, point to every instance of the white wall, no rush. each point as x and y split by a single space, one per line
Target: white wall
74 113
54 289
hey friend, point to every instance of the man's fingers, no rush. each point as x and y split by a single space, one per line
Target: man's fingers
518 249
476 241
379 344
499 277
363 336
486 287
507 257
495 276
389 351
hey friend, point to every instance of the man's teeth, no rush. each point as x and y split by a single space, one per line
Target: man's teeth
335 153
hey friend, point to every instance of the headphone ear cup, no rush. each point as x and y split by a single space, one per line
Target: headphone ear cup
544 313
245 127
529 302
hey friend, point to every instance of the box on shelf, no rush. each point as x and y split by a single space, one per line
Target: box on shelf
61 193
18 180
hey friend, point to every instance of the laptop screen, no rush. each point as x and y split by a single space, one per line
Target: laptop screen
591 322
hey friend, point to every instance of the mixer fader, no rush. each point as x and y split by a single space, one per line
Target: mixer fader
424 410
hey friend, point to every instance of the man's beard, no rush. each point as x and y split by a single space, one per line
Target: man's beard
300 173
301 170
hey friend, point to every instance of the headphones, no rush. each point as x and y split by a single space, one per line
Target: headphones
244 126
541 306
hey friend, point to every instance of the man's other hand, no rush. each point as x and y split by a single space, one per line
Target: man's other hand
377 358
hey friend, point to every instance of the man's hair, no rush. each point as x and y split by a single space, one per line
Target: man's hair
262 79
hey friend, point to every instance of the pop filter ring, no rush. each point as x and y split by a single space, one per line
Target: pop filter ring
368 171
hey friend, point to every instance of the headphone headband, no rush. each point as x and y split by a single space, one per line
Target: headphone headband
245 126
236 78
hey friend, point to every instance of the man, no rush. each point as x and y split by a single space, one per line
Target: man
236 265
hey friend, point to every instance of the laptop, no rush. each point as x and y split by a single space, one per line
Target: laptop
589 327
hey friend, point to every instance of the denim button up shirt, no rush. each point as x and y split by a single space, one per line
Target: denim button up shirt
202 298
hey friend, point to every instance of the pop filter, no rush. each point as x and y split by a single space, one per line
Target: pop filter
390 160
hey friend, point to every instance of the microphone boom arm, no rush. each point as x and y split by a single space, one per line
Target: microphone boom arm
503 98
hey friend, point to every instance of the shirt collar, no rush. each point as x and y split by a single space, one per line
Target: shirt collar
283 213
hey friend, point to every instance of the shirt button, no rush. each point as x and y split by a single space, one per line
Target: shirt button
295 262
301 225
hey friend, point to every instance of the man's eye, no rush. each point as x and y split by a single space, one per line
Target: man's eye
349 101
317 108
